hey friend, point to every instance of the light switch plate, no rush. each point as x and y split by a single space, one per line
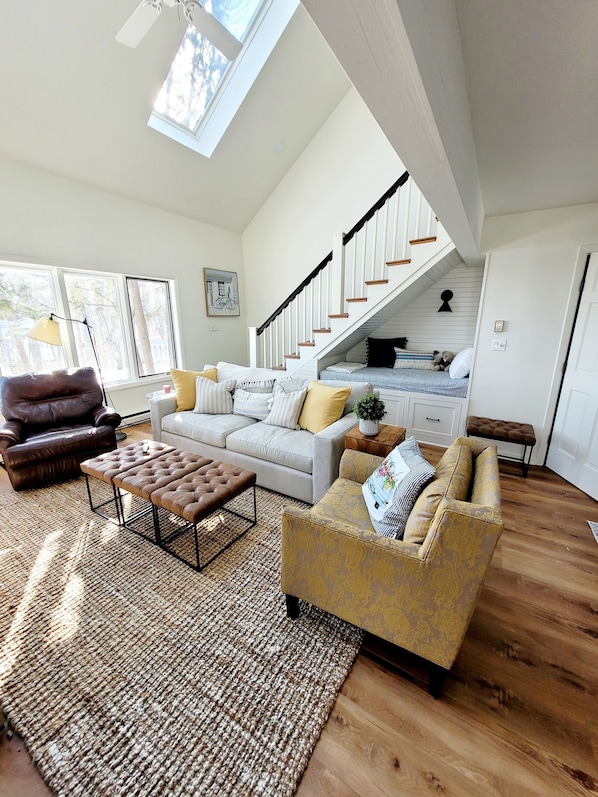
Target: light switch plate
499 345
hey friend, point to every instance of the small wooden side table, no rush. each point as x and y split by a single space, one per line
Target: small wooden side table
381 444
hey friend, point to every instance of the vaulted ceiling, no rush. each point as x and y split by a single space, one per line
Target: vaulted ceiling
76 103
495 108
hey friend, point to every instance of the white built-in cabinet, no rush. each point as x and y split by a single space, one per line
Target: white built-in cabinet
429 418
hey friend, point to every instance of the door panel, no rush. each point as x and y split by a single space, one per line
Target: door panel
573 452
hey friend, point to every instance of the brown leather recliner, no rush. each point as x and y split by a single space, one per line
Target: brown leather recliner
52 423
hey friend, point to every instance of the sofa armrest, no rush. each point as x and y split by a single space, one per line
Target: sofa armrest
159 407
357 465
106 416
329 445
11 432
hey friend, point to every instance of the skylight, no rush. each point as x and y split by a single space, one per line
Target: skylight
203 89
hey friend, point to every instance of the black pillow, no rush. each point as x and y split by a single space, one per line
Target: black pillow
380 352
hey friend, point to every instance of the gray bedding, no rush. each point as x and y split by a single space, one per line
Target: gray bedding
412 380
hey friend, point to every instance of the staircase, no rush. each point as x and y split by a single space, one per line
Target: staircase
393 253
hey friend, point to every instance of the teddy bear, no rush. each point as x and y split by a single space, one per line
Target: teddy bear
442 360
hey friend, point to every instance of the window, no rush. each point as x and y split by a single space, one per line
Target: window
95 297
152 325
26 295
203 90
198 66
130 320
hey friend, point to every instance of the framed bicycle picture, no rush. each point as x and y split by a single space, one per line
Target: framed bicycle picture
222 292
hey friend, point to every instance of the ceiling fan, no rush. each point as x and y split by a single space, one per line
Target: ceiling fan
148 11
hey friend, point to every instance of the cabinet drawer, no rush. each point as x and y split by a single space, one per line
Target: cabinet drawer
395 407
434 423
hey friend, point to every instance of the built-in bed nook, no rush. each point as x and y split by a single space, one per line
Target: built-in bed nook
429 402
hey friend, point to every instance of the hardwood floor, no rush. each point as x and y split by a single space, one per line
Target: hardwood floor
519 711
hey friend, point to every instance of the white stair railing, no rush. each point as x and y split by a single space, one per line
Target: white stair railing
384 236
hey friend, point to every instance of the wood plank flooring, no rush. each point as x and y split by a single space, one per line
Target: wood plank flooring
519 712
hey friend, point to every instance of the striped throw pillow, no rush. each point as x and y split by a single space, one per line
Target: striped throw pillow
286 408
393 488
214 398
423 360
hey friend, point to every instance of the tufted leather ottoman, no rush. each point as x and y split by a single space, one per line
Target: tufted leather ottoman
196 497
141 480
505 432
106 466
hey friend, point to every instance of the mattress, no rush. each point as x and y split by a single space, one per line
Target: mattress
411 380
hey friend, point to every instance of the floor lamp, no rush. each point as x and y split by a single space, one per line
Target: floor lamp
47 330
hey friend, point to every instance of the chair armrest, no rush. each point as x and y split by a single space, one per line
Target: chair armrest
106 416
159 407
11 432
357 465
328 447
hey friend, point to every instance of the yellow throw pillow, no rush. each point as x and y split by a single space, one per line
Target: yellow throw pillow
323 405
184 386
453 476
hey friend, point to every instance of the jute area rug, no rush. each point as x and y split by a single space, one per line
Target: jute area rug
128 673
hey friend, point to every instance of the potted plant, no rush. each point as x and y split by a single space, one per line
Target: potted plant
370 410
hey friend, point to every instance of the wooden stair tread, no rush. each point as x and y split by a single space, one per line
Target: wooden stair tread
325 331
398 262
358 299
307 343
339 315
416 241
292 356
376 282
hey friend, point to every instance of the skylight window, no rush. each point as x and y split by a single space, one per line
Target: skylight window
199 66
204 90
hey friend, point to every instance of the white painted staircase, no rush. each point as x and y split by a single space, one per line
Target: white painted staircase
394 253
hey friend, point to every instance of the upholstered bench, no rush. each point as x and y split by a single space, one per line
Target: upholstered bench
196 497
505 432
106 466
141 481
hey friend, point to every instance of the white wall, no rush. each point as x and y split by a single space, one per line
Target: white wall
534 266
345 169
54 221
425 328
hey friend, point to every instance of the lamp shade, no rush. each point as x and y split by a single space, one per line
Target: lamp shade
47 330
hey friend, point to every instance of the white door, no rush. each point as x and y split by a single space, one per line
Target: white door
573 451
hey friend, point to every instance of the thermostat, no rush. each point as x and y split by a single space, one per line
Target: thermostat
499 326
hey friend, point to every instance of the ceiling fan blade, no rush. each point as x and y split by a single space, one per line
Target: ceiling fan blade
138 24
208 25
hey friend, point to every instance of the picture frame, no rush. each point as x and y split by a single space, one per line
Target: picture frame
222 292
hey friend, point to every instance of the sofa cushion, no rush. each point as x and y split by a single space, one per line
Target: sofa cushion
246 376
252 404
213 398
392 490
323 406
358 390
453 477
210 429
285 408
343 502
293 449
184 386
380 352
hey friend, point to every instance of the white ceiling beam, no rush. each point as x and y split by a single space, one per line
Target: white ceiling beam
404 58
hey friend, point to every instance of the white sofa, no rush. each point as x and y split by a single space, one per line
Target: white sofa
293 462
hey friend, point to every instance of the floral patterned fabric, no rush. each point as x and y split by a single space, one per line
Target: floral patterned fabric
420 597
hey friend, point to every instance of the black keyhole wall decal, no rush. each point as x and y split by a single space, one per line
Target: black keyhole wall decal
446 296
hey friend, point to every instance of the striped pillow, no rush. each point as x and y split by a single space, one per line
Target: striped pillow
423 360
394 487
213 398
286 408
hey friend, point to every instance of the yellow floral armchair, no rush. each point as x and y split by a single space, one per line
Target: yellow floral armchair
419 595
